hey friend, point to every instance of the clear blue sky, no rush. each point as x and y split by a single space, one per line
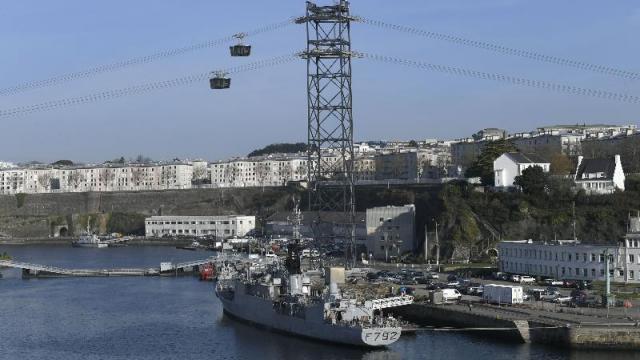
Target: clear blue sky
45 38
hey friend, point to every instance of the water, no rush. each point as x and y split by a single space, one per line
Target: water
179 318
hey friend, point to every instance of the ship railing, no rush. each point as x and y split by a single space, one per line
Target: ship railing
390 302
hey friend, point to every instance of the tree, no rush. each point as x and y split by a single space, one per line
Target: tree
285 172
262 173
533 181
279 148
137 175
75 178
44 180
63 163
561 164
413 143
200 175
483 166
141 159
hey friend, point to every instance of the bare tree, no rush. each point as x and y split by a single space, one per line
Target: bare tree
106 177
44 180
199 174
74 179
302 171
137 176
286 172
262 173
229 173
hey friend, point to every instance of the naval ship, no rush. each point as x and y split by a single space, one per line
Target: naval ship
283 299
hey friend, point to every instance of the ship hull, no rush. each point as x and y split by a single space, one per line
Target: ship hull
259 311
97 246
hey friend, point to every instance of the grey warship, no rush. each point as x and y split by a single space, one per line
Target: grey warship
283 299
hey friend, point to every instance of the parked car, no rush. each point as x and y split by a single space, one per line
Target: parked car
453 284
527 279
452 277
562 300
451 295
552 290
515 278
553 282
436 286
433 276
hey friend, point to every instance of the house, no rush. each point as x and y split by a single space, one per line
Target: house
509 165
599 176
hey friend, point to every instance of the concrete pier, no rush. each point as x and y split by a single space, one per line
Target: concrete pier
529 325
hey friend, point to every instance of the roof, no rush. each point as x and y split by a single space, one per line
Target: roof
521 158
592 166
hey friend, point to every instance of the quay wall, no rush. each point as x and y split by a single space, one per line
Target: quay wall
66 214
453 315
526 328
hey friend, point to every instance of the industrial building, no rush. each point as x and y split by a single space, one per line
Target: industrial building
390 231
569 259
216 226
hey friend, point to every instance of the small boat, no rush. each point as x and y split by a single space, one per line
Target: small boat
208 272
195 245
90 241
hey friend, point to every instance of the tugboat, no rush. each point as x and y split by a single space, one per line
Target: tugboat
284 300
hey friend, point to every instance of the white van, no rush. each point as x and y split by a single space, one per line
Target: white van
449 295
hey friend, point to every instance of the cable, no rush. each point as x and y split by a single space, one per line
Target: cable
139 89
566 89
135 61
505 50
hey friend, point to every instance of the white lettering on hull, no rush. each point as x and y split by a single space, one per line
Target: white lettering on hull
381 336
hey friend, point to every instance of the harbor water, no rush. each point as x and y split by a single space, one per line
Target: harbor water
180 318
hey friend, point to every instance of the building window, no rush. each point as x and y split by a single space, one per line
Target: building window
593 257
593 273
621 273
631 258
631 274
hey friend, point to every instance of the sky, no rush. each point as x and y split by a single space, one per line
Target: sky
42 39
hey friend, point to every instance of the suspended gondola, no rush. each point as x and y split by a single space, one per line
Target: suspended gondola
219 81
240 49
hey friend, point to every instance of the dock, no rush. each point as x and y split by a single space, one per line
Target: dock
527 325
37 270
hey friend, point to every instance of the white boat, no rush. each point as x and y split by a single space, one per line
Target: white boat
90 241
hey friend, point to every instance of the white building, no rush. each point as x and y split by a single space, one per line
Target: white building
600 176
390 230
106 177
569 259
216 226
509 165
273 170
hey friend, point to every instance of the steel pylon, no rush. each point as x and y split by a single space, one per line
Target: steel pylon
330 117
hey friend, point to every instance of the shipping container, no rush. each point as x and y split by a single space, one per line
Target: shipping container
503 294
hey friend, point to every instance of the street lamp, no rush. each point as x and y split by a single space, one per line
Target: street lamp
437 245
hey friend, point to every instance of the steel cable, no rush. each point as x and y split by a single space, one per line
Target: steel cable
136 61
561 88
504 50
139 89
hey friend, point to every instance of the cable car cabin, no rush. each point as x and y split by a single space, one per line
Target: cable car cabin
240 50
220 83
